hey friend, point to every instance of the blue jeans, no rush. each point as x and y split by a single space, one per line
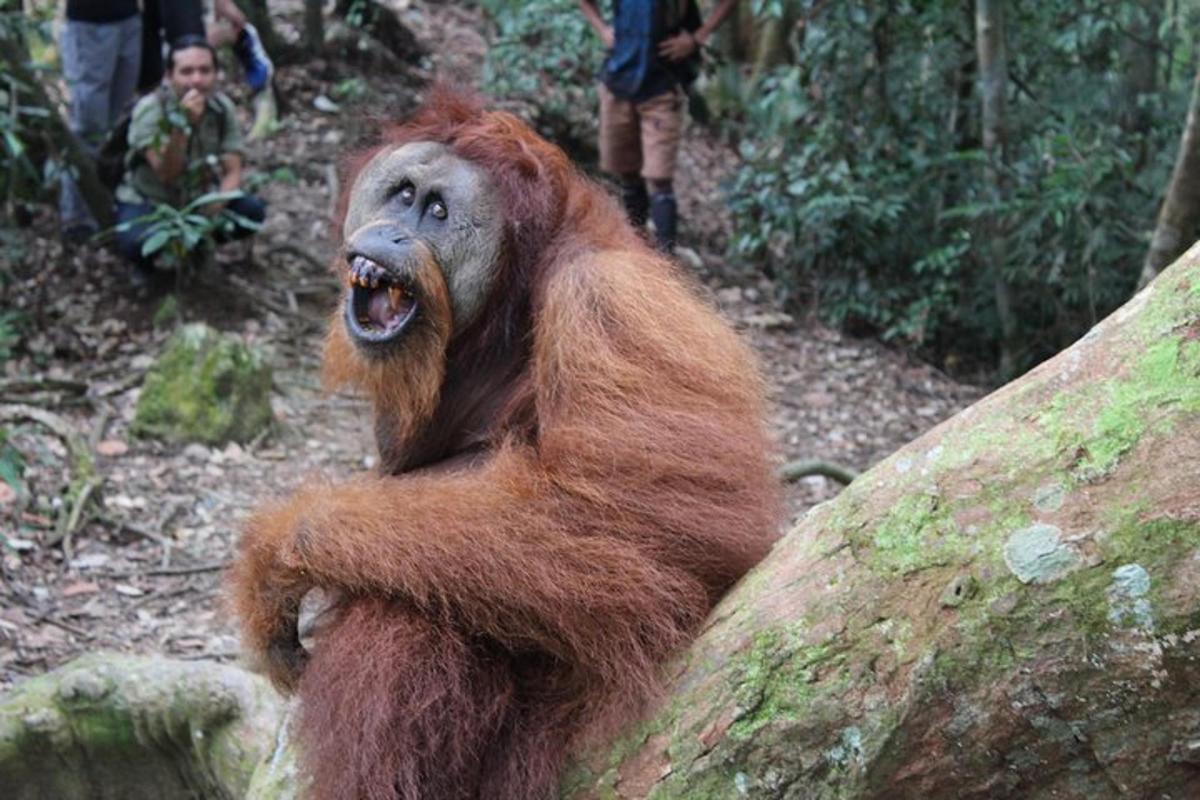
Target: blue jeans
130 241
100 65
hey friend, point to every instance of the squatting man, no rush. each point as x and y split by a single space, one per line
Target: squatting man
184 142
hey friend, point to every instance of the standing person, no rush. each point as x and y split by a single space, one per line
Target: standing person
184 142
101 45
169 20
641 101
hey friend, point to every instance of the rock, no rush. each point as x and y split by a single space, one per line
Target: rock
205 387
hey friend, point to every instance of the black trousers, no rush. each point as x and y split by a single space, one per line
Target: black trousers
164 21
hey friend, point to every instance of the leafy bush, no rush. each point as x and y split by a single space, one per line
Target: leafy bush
862 188
12 464
9 334
174 234
24 171
544 52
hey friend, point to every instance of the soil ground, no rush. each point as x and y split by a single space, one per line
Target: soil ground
142 573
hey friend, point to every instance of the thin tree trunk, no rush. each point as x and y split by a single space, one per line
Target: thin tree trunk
993 82
314 25
1169 43
58 135
1180 212
1139 64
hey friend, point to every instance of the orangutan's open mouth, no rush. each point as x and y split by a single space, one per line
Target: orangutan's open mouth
380 305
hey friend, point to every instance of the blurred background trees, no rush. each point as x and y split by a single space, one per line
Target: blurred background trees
876 183
873 188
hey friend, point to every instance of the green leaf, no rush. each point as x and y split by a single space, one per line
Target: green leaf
155 242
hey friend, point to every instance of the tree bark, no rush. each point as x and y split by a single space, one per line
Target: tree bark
1139 49
314 25
1008 607
115 727
1179 214
993 82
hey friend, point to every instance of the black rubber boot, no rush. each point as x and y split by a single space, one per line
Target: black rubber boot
636 202
665 216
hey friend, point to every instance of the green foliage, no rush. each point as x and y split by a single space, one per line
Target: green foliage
256 180
205 387
862 187
360 14
12 464
167 313
22 123
349 90
173 234
9 334
544 51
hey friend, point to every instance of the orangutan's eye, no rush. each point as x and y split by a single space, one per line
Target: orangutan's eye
408 193
438 209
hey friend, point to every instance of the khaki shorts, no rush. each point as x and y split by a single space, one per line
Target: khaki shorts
640 137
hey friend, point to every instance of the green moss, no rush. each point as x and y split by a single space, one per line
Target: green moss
629 744
1165 375
775 680
167 313
711 785
917 533
1102 425
206 387
1002 626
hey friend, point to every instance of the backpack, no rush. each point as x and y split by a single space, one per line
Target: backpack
110 158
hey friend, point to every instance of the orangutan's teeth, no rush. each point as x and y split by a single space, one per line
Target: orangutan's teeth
395 295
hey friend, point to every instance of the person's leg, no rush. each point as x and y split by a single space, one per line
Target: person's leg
635 199
125 72
664 213
151 73
248 207
131 235
621 153
88 60
661 130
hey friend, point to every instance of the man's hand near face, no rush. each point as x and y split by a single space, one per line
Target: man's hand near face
192 104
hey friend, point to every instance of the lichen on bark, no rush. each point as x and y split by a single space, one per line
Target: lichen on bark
1007 607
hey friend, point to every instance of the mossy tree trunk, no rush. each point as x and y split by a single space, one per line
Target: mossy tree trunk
114 727
1008 607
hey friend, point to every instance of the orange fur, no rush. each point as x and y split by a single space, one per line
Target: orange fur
593 475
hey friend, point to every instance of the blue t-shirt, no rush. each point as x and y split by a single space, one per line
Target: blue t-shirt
633 70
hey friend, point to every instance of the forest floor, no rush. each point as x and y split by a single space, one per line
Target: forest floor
143 573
